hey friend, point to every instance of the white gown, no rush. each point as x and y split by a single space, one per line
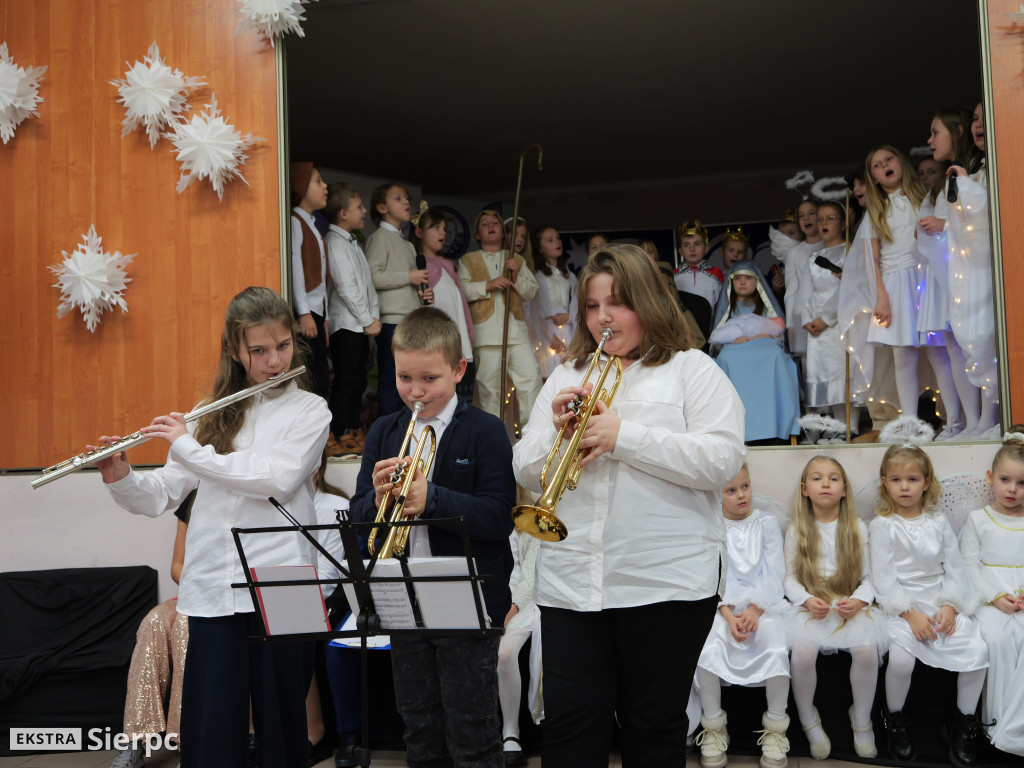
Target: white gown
833 633
993 548
933 312
971 308
825 370
898 264
916 564
555 294
755 573
795 262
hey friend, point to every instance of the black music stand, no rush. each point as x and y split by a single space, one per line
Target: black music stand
360 576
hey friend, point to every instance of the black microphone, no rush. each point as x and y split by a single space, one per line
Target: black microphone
421 263
952 193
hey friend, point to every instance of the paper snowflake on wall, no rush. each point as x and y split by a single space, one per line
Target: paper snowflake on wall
19 93
91 279
153 95
209 148
272 18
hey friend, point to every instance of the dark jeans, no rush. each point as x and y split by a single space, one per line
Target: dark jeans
222 671
446 690
597 666
388 400
349 354
316 357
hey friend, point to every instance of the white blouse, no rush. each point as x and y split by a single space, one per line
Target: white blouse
757 565
796 592
645 523
993 549
276 452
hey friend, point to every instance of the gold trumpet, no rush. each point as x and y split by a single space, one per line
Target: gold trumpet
539 520
392 508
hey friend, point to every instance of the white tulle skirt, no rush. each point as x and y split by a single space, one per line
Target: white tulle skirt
833 634
902 287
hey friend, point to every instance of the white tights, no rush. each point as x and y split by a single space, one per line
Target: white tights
970 395
863 678
897 683
907 388
510 683
776 689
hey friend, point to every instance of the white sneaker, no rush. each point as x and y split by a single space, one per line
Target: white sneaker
713 742
128 758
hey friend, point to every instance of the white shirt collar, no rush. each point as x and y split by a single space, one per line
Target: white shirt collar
344 233
307 216
389 227
447 413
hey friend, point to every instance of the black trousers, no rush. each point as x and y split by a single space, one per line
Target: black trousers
316 357
222 671
350 352
632 664
388 399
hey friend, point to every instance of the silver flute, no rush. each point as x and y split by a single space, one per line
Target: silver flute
89 458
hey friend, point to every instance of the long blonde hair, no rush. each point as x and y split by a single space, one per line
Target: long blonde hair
252 307
877 200
896 456
639 286
849 554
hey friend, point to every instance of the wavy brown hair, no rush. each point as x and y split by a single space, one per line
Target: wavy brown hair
897 456
877 200
252 307
639 286
849 552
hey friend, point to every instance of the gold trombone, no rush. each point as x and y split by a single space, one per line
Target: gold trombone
539 520
392 508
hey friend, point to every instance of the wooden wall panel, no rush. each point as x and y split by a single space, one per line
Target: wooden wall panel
1007 62
69 168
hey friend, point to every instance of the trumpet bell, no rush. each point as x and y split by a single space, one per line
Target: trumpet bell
539 522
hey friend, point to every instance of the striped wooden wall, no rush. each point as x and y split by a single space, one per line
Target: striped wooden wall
70 168
1007 66
61 385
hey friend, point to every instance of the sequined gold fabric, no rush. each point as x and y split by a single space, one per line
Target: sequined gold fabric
156 671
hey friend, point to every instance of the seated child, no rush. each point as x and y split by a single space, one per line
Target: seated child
446 688
749 326
747 644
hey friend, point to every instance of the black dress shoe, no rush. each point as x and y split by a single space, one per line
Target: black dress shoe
961 733
514 757
897 735
319 752
346 755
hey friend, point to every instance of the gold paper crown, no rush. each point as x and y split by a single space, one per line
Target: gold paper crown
789 215
424 207
735 234
693 229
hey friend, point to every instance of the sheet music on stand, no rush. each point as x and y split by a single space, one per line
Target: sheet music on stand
439 597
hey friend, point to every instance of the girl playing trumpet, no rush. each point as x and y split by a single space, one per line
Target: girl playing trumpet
646 533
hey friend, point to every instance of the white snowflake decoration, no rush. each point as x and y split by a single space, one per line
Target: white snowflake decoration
153 95
209 148
272 18
19 93
92 280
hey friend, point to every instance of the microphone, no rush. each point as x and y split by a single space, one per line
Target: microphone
952 194
421 263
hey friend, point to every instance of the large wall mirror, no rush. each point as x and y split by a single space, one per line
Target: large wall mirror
655 114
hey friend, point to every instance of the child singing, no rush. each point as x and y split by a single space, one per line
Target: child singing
269 444
646 533
827 575
747 644
921 584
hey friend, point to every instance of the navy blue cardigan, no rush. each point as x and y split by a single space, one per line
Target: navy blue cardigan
472 479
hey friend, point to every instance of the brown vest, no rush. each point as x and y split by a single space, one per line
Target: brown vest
312 270
482 309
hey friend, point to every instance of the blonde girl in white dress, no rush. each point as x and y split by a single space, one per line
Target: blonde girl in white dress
828 580
923 588
992 543
747 644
